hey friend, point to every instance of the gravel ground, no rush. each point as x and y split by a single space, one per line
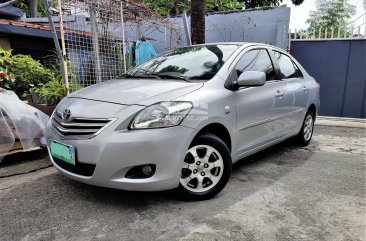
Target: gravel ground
284 193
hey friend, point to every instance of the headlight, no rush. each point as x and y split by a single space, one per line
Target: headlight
163 114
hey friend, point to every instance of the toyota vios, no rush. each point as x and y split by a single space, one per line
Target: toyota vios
180 120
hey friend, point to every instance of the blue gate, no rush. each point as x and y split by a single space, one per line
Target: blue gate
340 68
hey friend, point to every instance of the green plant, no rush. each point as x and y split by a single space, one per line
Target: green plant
53 91
6 77
23 75
222 5
28 73
24 5
168 7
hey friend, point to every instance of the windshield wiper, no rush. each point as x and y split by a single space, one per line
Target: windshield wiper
167 76
140 76
155 76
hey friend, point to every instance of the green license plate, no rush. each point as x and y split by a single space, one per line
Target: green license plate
63 152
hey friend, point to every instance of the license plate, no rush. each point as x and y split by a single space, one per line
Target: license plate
63 152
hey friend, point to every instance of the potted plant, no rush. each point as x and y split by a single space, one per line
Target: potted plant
51 93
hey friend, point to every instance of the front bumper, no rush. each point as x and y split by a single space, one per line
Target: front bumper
114 152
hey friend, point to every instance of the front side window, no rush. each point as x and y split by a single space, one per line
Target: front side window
256 60
190 63
287 67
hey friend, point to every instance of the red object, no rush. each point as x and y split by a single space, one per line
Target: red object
3 74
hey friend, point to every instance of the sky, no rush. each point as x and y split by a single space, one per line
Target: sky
299 14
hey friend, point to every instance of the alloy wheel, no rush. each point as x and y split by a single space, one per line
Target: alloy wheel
202 169
308 127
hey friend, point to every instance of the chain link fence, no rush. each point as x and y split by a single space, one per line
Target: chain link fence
94 41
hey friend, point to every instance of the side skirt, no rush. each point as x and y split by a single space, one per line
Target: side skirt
262 147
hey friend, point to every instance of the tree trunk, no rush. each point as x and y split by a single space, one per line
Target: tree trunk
198 21
176 9
33 8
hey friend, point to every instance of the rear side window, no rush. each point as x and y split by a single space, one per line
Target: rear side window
287 67
256 60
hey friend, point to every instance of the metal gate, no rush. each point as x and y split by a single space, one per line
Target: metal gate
336 59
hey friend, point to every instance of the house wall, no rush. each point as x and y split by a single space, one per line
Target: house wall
42 49
4 43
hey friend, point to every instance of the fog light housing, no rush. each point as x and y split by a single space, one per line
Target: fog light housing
147 170
141 171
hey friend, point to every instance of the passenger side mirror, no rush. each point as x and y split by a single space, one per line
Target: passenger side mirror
252 78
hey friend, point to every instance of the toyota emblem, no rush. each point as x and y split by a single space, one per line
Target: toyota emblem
66 115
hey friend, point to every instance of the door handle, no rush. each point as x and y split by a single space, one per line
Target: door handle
279 94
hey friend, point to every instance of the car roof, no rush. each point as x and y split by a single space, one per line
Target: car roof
240 44
222 43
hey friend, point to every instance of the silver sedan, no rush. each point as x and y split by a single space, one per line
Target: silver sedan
180 120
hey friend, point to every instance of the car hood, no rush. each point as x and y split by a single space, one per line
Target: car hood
136 91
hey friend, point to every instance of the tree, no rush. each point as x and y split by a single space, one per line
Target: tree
199 7
198 21
168 7
330 14
176 7
32 8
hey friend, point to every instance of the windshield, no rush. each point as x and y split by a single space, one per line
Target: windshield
189 63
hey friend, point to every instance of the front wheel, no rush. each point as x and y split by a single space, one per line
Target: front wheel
206 169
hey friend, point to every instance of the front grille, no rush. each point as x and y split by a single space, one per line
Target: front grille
83 169
78 127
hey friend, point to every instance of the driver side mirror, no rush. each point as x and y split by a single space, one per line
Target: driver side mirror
252 78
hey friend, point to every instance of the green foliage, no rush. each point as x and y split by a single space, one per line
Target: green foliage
50 92
169 7
41 8
53 91
28 73
5 59
330 14
5 63
222 5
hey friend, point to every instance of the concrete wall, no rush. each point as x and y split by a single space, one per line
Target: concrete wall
340 68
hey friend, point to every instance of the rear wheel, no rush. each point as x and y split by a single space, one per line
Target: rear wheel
307 129
206 168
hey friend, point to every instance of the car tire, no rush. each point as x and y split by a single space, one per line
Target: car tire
307 129
206 169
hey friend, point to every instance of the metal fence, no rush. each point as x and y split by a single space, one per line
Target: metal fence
94 43
336 58
354 30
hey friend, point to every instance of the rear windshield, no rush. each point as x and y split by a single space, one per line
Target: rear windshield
195 62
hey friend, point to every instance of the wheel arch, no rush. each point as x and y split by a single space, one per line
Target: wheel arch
218 130
312 107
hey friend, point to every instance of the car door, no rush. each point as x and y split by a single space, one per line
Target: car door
296 96
258 108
